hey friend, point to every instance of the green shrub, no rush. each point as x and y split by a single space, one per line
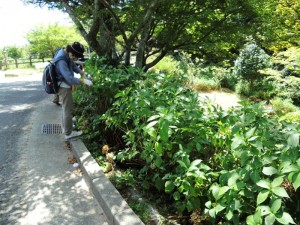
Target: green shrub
243 88
264 88
199 154
288 62
251 59
291 117
240 166
283 106
203 84
167 65
289 89
123 180
92 102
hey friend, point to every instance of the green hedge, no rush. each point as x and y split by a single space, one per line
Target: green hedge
240 166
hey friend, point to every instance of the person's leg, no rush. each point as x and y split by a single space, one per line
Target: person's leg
67 109
56 99
67 113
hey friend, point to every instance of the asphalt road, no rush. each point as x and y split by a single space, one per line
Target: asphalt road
18 99
38 184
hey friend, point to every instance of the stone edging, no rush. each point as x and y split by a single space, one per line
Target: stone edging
114 206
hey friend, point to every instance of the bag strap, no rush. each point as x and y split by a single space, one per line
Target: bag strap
56 60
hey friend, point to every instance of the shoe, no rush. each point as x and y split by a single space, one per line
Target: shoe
73 134
57 103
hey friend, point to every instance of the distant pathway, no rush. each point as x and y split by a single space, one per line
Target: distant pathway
224 99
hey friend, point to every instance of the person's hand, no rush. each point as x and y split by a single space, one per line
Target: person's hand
88 76
87 82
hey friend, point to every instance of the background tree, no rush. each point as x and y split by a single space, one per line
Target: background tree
155 28
14 53
45 40
281 24
251 59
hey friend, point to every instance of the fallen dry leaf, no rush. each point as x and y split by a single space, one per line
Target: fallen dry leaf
72 159
68 146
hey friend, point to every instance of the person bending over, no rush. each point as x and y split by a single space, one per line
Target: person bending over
65 68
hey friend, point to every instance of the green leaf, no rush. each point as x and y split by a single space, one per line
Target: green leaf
221 192
264 184
237 142
208 204
298 162
250 220
254 219
153 118
268 159
215 190
158 161
276 205
258 145
232 179
164 136
183 164
151 131
176 196
250 132
204 167
219 208
265 210
254 175
287 168
269 171
195 202
151 124
169 186
212 212
296 181
158 148
270 219
258 217
262 196
196 162
244 157
277 182
280 191
285 219
229 214
293 140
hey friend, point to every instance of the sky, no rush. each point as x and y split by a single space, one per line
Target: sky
17 19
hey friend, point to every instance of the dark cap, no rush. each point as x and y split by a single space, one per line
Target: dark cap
76 49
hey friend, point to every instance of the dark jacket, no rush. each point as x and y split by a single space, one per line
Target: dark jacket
65 68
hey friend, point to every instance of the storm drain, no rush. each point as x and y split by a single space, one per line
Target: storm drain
51 129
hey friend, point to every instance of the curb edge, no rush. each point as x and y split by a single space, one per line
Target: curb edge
114 206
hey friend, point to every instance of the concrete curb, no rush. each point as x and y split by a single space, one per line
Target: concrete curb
115 207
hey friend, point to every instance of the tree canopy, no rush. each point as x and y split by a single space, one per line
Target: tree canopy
154 28
45 40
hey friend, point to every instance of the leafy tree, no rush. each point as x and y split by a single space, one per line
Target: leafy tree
14 52
45 40
281 25
155 28
251 59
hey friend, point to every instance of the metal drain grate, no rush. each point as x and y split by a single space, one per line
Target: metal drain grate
51 129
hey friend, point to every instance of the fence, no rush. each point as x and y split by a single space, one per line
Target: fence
15 63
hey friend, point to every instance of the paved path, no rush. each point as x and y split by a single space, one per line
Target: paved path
224 99
39 185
